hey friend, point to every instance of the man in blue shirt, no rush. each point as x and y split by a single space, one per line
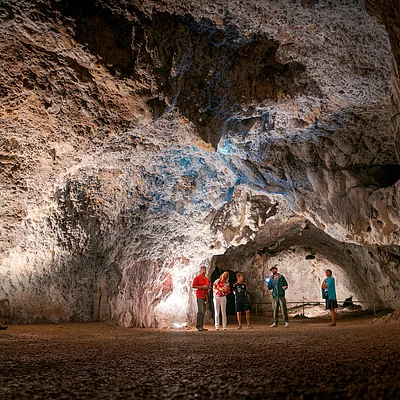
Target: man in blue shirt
278 284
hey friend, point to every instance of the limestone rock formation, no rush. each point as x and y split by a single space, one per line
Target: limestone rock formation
140 140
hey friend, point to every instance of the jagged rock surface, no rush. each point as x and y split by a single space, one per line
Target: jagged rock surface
141 140
389 13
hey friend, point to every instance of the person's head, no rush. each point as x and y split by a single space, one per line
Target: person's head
224 276
203 270
239 277
328 273
274 269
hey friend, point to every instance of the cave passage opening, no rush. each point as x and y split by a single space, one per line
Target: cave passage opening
230 298
302 257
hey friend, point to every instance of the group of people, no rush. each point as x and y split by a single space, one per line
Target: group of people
221 289
278 285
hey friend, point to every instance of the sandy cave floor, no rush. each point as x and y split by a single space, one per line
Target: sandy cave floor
308 360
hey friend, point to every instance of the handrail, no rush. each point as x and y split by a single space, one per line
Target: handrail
309 302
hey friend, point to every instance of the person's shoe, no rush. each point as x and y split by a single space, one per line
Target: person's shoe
249 327
3 327
217 329
199 329
239 327
224 329
334 324
274 325
204 329
286 324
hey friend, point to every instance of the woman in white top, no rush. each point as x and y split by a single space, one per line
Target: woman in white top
221 289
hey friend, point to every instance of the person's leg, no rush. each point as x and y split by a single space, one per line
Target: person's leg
217 305
282 300
248 317
275 308
200 313
204 312
333 316
330 305
239 309
239 317
223 310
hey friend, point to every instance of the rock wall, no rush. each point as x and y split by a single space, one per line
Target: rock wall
140 140
388 12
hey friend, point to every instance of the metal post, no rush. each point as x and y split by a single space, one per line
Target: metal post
256 308
303 310
374 309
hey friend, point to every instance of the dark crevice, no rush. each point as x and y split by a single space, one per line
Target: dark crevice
208 73
106 34
6 13
377 175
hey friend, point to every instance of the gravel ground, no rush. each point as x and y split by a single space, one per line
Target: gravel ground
308 360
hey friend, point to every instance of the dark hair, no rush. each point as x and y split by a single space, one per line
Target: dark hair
329 271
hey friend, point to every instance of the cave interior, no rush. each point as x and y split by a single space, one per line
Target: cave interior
140 141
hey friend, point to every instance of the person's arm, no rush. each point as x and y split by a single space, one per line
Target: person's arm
270 283
324 284
228 289
196 285
284 283
215 287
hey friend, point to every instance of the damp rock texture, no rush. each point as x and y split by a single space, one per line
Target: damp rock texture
140 140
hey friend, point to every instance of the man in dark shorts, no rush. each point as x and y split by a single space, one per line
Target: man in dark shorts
241 303
329 294
202 284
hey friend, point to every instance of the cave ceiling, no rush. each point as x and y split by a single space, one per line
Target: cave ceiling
140 140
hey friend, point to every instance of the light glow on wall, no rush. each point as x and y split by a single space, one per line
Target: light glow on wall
175 306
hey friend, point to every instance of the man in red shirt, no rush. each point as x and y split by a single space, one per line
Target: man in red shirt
202 284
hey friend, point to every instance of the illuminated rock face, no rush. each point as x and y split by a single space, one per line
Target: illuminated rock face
140 142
